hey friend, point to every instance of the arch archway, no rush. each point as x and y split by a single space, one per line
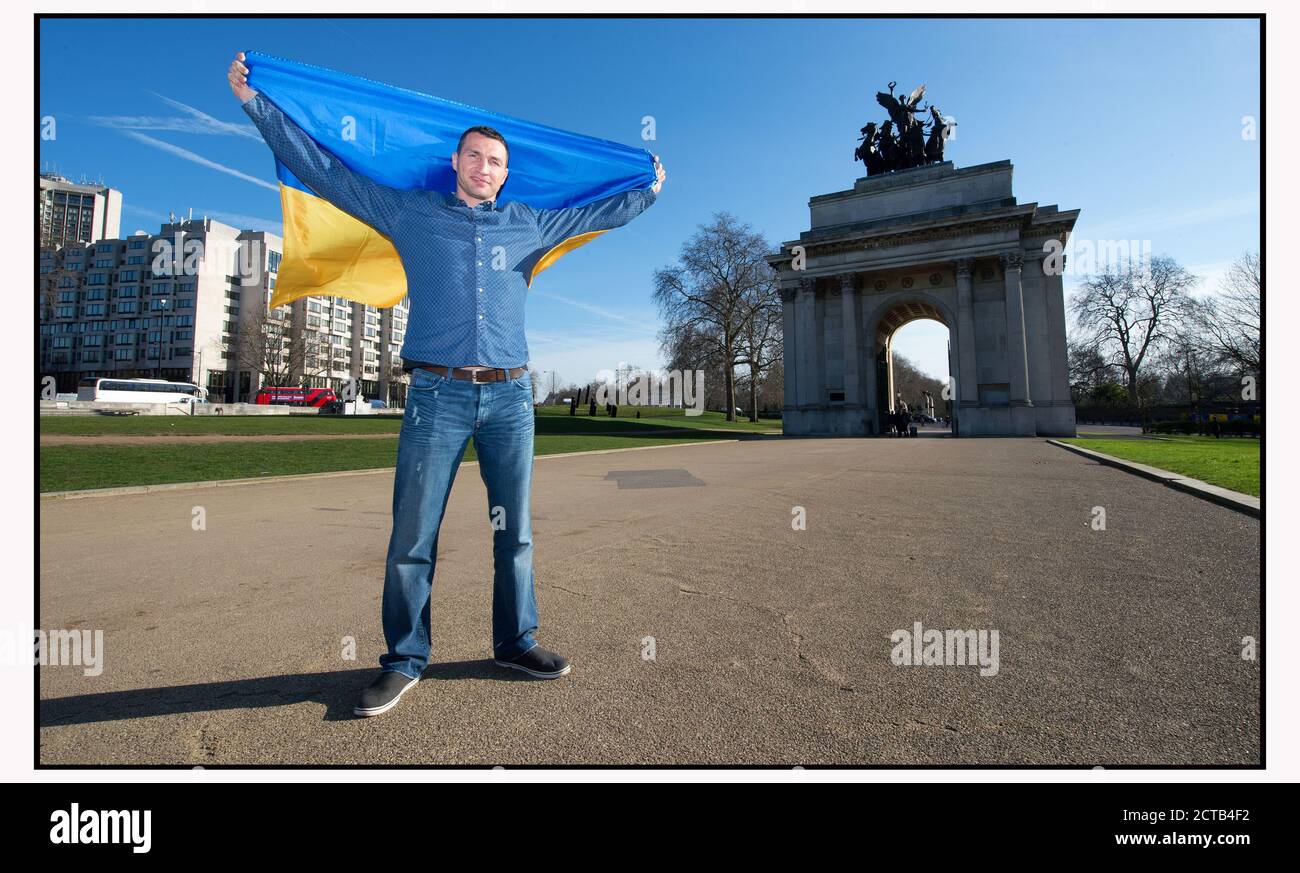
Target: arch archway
885 319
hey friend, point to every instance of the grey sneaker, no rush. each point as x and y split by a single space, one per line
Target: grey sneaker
539 663
383 694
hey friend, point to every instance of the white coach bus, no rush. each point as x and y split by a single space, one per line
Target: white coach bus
140 391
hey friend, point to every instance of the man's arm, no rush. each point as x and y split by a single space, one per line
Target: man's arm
554 226
377 205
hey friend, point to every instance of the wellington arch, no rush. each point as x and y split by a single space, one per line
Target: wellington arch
929 242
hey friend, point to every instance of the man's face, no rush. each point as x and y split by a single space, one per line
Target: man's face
480 166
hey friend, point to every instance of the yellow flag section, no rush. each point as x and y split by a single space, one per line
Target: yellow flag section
563 248
329 253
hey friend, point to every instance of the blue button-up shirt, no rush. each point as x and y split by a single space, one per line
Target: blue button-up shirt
465 266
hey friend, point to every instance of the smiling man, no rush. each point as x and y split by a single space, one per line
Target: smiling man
465 255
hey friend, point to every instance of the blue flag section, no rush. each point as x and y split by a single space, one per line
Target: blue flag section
405 139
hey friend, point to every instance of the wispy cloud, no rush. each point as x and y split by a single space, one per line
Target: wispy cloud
213 125
246 222
234 219
194 121
638 324
573 342
188 155
172 123
1149 224
146 212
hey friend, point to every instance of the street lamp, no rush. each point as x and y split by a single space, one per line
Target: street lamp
161 312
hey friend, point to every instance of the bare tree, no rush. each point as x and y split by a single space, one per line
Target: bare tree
714 292
1088 367
693 348
760 341
1230 322
1191 371
1128 311
268 346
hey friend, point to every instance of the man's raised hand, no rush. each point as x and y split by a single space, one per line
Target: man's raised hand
238 77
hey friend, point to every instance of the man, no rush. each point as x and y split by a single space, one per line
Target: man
465 257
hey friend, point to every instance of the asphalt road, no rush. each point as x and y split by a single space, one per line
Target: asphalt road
771 645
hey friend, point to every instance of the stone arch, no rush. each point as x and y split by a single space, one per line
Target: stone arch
884 315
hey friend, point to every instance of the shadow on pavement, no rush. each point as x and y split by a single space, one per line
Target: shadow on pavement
337 690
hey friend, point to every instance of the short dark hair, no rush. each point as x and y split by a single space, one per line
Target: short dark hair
490 134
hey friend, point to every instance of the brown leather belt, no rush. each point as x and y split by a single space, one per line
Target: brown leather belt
496 374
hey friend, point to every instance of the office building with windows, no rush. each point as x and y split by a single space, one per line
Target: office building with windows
190 303
69 213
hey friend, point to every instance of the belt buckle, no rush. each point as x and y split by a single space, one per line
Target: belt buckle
474 376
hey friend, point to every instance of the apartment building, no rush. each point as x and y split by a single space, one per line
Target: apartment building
69 213
190 304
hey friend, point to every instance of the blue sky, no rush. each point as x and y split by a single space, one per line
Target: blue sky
1136 123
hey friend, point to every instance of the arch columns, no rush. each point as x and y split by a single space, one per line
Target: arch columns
964 338
1022 413
809 340
790 349
852 317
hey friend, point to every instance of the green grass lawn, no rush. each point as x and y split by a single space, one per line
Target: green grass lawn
200 425
65 468
550 420
1231 462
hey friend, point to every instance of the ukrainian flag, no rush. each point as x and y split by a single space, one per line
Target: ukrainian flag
405 139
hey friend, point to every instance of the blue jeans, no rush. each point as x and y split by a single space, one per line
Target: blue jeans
442 414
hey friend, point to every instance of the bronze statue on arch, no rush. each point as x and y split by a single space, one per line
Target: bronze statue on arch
904 141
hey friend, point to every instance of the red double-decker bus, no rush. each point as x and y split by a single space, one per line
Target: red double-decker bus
316 398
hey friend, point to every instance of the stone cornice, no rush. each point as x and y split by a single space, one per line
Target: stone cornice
1019 218
900 238
1025 218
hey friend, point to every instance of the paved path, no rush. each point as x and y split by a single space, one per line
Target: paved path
772 645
